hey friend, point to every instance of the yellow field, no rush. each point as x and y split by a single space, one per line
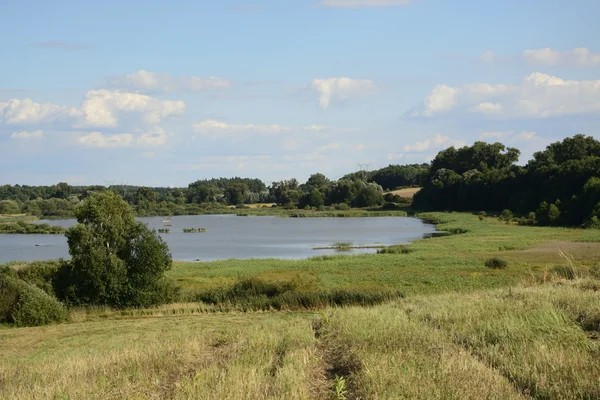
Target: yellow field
407 193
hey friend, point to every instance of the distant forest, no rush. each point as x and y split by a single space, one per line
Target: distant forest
559 186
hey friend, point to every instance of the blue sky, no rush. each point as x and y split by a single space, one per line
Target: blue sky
163 93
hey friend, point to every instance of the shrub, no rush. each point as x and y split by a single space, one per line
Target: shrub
495 263
341 206
256 294
26 305
395 250
40 274
506 216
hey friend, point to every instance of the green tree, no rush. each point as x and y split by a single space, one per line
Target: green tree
116 260
236 193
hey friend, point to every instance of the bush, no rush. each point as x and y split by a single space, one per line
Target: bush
256 294
506 216
395 250
26 305
40 274
496 263
341 206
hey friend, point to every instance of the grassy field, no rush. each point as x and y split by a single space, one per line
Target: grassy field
407 193
462 331
435 265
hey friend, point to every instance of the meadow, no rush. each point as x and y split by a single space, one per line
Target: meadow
444 326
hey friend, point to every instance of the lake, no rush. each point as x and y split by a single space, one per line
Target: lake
230 236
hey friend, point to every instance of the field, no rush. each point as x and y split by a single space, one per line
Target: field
406 193
461 331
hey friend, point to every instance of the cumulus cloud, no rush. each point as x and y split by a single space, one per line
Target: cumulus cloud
102 108
362 3
581 57
395 156
154 138
437 141
333 89
27 135
26 111
538 96
153 82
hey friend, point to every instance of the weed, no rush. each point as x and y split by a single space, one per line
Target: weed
496 263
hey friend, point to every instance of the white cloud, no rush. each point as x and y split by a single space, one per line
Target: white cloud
146 81
358 148
437 141
581 57
538 96
155 138
487 108
524 136
333 89
26 111
363 3
102 108
315 128
98 139
27 135
441 99
395 156
215 129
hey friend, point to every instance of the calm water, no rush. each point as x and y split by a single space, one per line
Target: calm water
230 236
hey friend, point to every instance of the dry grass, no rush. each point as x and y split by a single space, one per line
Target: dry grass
406 193
534 340
227 356
516 343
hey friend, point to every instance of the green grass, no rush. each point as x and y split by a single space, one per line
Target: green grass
435 265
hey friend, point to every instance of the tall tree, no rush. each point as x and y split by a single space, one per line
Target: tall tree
116 260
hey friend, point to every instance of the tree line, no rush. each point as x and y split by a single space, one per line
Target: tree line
559 186
360 189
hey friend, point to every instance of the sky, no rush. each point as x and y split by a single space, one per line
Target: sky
164 93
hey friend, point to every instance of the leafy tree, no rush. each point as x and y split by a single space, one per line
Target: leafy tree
235 193
9 207
368 196
312 199
116 260
286 192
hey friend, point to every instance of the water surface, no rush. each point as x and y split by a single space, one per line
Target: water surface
230 236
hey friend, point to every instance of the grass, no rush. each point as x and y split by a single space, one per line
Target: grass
510 343
449 327
435 265
516 343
